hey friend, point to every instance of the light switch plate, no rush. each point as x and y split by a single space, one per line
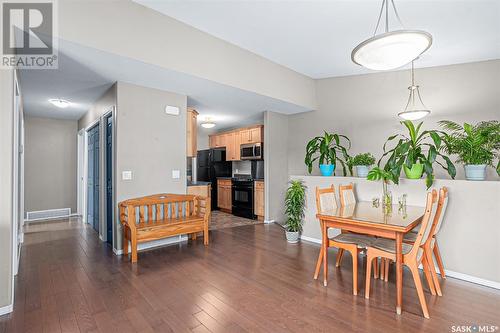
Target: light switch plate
176 174
126 175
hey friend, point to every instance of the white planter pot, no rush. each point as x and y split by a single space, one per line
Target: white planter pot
292 236
361 171
475 171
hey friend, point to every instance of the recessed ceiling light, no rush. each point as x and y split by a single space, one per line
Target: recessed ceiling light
60 103
208 123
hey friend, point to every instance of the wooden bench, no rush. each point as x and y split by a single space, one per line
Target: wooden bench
163 215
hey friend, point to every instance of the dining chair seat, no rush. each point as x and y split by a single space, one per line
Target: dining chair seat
410 237
389 245
362 241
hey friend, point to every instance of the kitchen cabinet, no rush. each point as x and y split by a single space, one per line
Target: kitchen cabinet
191 144
201 190
259 199
224 199
232 146
234 139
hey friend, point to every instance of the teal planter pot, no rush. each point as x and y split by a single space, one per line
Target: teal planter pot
326 169
475 171
415 172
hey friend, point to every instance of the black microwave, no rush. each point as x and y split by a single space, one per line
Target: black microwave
251 151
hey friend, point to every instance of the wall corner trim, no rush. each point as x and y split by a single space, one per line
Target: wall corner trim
6 309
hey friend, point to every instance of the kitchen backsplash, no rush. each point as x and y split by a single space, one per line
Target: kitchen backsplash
242 167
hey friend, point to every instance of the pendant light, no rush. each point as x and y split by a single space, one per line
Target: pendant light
391 49
415 108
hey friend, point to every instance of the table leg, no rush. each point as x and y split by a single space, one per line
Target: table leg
325 254
399 272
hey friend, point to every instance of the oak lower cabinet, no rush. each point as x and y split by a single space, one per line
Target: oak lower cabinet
224 197
201 190
259 199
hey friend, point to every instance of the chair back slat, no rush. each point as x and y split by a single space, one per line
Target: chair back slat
346 194
325 199
443 201
425 226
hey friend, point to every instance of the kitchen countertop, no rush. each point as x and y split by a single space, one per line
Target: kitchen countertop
224 177
190 183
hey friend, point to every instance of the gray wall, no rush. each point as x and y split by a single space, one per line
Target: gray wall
365 107
6 185
50 164
469 219
276 164
99 108
150 143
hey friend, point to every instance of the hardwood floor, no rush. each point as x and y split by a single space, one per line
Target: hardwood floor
249 279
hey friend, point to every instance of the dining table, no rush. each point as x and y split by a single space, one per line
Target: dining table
366 217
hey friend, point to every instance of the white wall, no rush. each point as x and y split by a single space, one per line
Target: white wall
468 239
150 143
6 185
146 35
365 107
50 164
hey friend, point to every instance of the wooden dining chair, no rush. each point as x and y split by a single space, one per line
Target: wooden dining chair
413 254
346 194
353 243
429 246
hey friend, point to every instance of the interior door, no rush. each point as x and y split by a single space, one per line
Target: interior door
93 178
96 178
109 179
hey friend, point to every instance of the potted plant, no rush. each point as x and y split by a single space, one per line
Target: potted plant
327 149
416 153
386 177
477 146
361 162
295 203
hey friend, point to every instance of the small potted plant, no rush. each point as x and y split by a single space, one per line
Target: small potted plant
327 149
362 162
477 146
295 203
416 153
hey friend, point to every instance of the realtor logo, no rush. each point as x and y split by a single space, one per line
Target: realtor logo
28 30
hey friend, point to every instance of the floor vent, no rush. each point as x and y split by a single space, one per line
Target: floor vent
48 214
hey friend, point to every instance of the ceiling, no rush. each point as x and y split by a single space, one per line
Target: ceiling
315 38
84 74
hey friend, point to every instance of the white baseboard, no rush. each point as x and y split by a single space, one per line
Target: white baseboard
269 221
6 309
155 243
452 274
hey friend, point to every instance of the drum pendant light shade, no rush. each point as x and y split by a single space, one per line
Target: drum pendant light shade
392 49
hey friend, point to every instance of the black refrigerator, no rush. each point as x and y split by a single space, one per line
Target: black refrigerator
212 164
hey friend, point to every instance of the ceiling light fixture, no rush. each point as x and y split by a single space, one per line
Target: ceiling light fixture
391 49
415 108
208 123
60 103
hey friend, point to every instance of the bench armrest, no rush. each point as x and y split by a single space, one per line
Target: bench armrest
203 207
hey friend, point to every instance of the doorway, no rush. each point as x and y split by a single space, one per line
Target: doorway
93 137
108 120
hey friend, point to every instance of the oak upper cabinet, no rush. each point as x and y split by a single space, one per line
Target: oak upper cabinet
217 140
251 135
259 199
232 146
191 146
224 197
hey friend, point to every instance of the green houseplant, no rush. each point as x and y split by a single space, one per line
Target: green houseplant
477 146
295 203
386 177
362 162
328 149
416 153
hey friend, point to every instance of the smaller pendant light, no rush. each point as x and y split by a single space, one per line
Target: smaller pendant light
415 108
208 123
